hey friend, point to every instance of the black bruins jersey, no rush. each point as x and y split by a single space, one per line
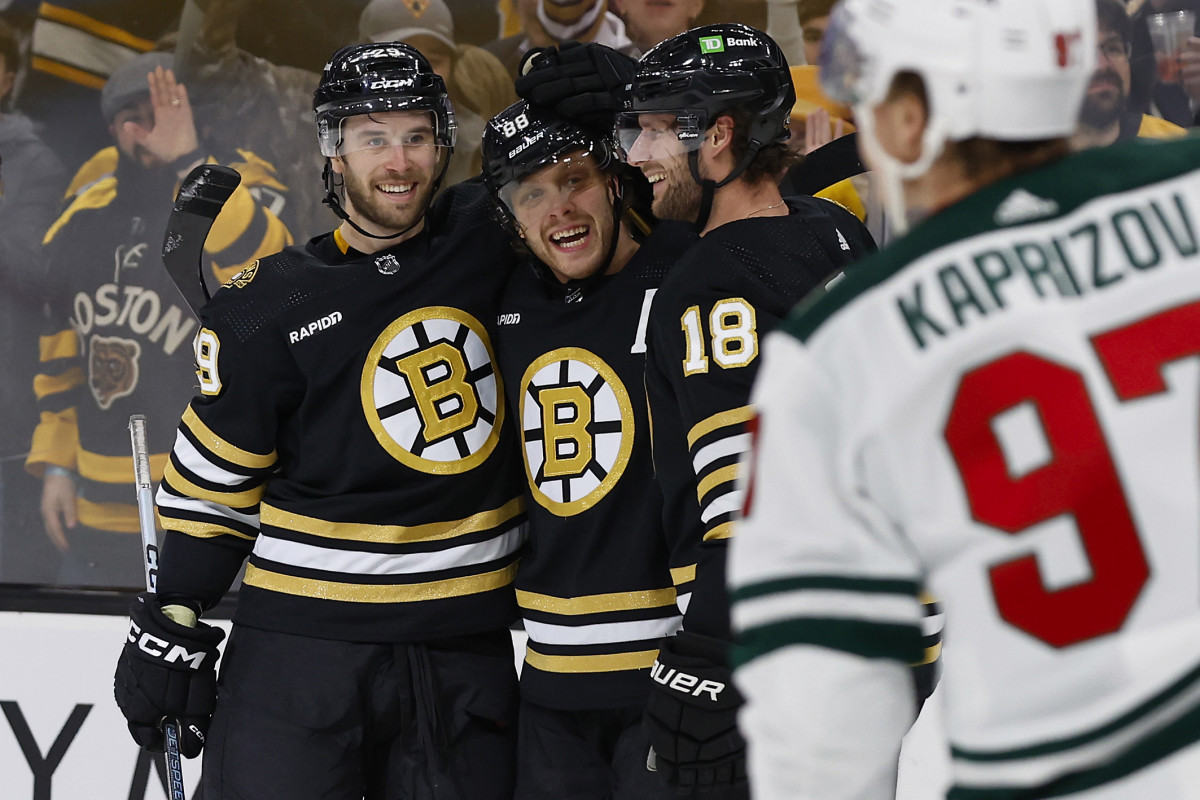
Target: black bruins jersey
724 294
350 436
593 587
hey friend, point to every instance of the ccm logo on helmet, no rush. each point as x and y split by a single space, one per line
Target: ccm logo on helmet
684 683
391 83
156 648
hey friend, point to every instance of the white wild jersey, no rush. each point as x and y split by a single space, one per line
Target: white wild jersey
1003 408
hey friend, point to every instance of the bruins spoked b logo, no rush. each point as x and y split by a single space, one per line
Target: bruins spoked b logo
430 391
576 427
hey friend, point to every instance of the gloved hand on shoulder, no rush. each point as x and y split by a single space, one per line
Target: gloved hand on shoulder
167 670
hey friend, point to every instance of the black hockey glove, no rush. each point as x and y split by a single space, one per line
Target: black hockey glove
585 83
691 717
167 671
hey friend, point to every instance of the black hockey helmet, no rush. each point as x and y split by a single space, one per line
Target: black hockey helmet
703 73
707 71
379 77
376 78
522 139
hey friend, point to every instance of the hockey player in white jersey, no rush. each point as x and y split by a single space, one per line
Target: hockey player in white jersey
1001 406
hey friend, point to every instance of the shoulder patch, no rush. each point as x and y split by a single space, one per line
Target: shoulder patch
242 279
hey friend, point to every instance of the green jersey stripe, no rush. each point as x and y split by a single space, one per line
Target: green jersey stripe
827 583
1179 734
867 639
1189 681
1065 186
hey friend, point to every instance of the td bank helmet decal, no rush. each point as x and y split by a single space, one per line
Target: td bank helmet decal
576 428
430 392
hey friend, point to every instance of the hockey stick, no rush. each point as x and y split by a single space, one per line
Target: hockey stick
145 503
201 197
827 165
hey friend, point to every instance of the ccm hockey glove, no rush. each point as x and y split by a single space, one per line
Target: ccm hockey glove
167 671
691 717
585 83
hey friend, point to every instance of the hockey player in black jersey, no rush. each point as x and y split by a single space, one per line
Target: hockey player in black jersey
706 122
594 587
349 439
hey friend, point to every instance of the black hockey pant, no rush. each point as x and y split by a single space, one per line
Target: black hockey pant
585 755
300 719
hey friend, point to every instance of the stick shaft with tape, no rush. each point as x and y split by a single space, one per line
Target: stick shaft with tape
145 503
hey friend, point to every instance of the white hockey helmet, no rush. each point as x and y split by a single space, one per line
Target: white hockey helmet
1013 70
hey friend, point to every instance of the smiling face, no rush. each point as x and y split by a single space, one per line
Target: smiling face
389 162
663 159
565 213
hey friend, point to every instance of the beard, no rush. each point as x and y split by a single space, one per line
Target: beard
681 198
377 210
1099 113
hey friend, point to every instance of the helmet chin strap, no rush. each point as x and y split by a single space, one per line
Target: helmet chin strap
893 172
335 204
708 187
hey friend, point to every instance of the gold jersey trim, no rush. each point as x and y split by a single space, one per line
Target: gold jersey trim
733 416
683 574
67 73
641 659
391 534
375 593
98 195
716 478
722 531
931 655
116 469
199 530
45 385
64 344
219 447
233 499
117 517
100 29
596 603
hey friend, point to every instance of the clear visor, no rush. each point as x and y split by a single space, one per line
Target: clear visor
842 65
560 183
647 135
414 131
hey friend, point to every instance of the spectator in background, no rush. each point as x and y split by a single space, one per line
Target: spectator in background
814 19
477 83
551 22
1175 102
31 184
1107 116
74 48
815 120
648 22
119 335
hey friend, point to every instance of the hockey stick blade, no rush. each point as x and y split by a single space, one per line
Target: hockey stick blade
201 196
827 165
